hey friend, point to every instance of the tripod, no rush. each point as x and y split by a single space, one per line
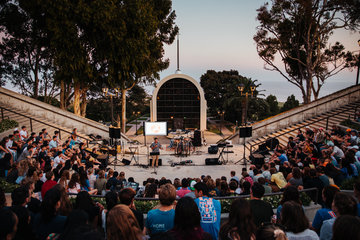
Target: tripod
243 160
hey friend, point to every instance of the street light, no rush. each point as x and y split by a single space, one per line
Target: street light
241 88
357 76
172 122
106 92
136 116
221 114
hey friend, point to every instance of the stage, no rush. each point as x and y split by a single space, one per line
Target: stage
171 163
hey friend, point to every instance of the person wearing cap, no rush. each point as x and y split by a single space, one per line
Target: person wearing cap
210 210
192 188
155 147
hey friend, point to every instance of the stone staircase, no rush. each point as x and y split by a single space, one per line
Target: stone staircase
325 120
34 124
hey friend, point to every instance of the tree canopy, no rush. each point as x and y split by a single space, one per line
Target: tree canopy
222 94
298 31
78 44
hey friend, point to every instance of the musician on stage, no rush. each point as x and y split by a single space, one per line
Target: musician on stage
155 147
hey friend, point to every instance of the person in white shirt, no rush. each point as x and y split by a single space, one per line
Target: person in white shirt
92 177
53 143
59 160
23 133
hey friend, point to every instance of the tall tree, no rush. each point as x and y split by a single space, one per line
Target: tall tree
273 104
24 53
136 54
298 31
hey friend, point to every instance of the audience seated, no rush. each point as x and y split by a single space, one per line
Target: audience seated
240 224
41 163
122 224
187 221
161 219
295 222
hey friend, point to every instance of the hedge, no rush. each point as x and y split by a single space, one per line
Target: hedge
7 124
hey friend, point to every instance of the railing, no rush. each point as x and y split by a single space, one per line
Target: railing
305 125
339 95
53 111
44 123
304 110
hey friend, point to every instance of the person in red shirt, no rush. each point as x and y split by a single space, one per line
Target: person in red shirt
184 190
48 184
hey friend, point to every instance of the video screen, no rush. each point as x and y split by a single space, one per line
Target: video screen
155 128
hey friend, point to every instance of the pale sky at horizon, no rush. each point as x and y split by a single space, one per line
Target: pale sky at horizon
218 35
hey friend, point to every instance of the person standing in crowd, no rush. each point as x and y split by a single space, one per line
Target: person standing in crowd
161 219
49 221
346 227
48 184
240 224
187 221
155 152
210 210
270 232
325 213
8 224
184 188
343 204
127 196
262 211
296 223
122 224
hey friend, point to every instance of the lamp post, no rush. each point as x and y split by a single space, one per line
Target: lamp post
221 114
136 118
357 76
111 95
172 122
241 88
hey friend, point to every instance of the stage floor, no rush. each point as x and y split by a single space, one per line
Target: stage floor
139 170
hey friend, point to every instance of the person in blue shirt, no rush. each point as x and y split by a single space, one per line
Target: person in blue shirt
326 212
161 219
210 210
343 204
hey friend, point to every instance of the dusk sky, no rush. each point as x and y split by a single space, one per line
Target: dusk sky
218 35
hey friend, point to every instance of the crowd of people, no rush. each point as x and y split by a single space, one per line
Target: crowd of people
51 172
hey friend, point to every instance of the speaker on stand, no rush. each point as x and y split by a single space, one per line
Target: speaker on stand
244 132
114 134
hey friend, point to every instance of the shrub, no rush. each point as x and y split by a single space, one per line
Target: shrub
349 183
7 124
7 187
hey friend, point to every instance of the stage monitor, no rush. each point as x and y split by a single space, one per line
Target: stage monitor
155 129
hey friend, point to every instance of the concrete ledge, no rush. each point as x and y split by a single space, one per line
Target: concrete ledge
307 111
43 110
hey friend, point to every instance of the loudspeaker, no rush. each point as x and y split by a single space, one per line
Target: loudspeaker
212 161
213 149
245 132
125 161
159 162
197 138
114 132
